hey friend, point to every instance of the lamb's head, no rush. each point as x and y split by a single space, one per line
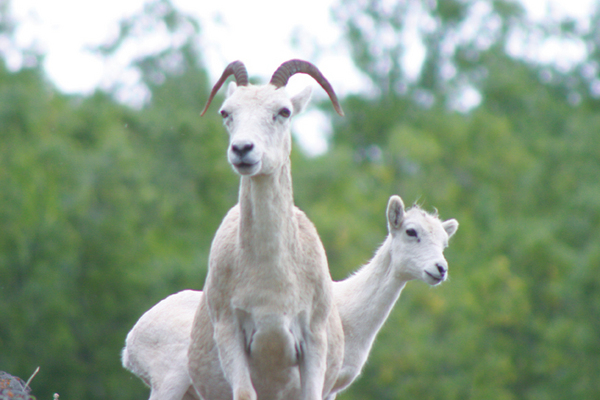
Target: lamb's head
258 118
418 242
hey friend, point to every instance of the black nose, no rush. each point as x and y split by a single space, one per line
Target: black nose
441 269
242 148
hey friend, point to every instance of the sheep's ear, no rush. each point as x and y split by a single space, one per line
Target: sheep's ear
450 226
231 88
395 213
300 101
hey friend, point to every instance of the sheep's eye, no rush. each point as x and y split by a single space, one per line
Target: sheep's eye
285 112
411 232
224 114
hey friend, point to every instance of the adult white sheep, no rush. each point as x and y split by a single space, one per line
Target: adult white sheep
413 250
267 317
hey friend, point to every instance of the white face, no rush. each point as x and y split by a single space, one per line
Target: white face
258 119
418 243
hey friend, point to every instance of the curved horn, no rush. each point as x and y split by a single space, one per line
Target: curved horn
238 70
287 69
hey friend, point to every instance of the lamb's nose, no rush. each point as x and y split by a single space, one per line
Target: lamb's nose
242 148
442 269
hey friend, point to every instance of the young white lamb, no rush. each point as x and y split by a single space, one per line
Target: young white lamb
413 250
267 318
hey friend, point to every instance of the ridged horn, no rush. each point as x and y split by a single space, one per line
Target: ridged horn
287 69
238 70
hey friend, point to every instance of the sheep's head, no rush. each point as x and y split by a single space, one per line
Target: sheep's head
258 118
418 242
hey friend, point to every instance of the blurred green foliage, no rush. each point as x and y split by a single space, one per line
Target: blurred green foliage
105 210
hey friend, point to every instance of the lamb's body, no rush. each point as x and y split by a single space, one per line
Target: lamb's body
156 348
267 327
365 299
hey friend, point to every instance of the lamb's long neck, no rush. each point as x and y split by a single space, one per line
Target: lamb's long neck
366 298
266 212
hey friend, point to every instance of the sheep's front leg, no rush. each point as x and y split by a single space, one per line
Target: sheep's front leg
232 355
313 365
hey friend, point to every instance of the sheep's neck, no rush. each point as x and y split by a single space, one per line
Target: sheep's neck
266 220
368 297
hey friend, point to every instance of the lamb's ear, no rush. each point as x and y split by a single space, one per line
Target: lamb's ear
231 88
395 213
300 100
450 226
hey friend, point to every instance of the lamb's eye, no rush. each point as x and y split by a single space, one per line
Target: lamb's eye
411 232
224 114
285 112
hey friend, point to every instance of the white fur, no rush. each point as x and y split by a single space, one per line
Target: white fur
156 348
267 327
364 300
